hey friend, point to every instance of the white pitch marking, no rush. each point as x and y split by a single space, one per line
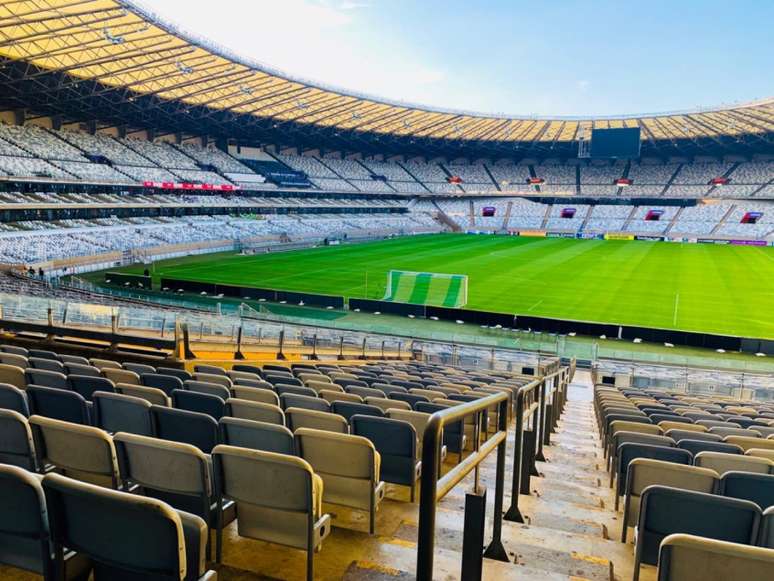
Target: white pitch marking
677 302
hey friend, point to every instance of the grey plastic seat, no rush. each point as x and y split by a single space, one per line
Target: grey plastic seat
59 404
210 388
16 444
115 412
43 354
86 385
304 418
222 380
81 452
181 374
256 411
148 538
78 369
291 400
365 392
210 369
13 359
257 435
166 383
203 403
13 398
282 389
48 364
197 429
73 359
46 378
349 409
278 497
256 394
757 488
15 350
139 368
697 446
149 394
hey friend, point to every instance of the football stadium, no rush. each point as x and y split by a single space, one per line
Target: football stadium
256 326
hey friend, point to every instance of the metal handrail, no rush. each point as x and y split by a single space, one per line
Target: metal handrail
433 488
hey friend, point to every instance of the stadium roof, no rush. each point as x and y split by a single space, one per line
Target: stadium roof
113 61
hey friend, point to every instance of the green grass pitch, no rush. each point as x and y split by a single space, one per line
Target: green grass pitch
695 287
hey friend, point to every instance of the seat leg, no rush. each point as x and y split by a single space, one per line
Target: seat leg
413 490
309 564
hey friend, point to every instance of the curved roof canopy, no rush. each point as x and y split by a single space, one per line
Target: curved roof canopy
114 61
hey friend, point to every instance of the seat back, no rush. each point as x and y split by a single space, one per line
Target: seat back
364 392
82 452
396 442
47 364
665 511
730 431
181 374
757 488
291 400
630 451
200 430
256 394
222 380
16 444
59 404
86 385
121 375
342 455
692 558
760 453
282 389
115 412
257 435
24 532
46 378
417 419
722 463
349 409
209 388
746 443
210 369
203 403
105 363
13 398
386 404
333 396
19 361
149 541
696 446
256 411
678 434
302 418
12 375
166 383
627 426
150 394
139 368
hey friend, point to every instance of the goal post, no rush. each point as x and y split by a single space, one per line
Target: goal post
427 288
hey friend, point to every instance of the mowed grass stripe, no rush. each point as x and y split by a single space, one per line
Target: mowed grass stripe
722 289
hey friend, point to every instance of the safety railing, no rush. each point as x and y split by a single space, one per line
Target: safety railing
434 488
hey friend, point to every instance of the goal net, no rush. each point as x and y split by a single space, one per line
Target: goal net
427 288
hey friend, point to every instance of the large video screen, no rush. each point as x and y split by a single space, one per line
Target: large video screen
618 143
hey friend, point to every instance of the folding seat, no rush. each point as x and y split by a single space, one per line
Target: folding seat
696 416
58 404
86 385
678 434
166 383
15 350
692 558
81 452
631 451
628 426
288 379
407 384
431 394
221 391
209 369
12 359
306 376
203 403
333 396
256 394
105 363
47 364
291 400
78 369
139 368
46 378
716 424
250 383
667 425
396 442
73 360
748 443
731 431
303 418
271 367
757 488
664 511
278 499
254 369
766 538
115 412
181 374
635 438
222 380
146 462
765 432
12 398
722 463
252 410
387 404
148 539
121 376
348 409
696 446
320 386
365 392
16 444
150 394
454 437
24 540
346 382
645 472
199 430
387 389
409 398
748 423
43 354
348 466
256 435
244 375
760 453
282 389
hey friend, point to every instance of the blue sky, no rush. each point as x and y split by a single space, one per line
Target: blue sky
551 57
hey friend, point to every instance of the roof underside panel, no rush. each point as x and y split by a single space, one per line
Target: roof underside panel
78 58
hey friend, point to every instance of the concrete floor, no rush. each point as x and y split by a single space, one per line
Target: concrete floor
569 534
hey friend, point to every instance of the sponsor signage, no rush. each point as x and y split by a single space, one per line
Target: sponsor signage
616 236
533 233
650 238
560 234
712 241
749 242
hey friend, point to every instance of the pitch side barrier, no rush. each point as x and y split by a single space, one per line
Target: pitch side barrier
564 326
253 293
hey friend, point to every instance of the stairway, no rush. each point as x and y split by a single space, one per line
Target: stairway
444 218
546 216
471 214
632 215
507 217
674 220
725 217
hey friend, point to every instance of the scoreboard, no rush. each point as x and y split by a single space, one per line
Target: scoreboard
619 143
